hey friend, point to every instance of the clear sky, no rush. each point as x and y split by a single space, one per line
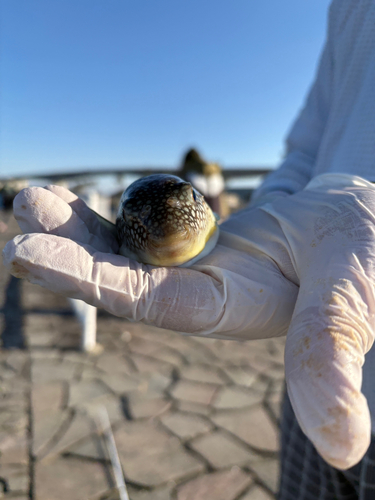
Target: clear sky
92 83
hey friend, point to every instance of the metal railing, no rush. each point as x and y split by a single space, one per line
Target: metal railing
228 172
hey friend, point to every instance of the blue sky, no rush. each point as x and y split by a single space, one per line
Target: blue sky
91 83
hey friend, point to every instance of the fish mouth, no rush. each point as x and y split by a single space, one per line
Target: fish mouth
173 249
176 248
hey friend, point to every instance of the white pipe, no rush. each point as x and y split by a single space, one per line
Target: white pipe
86 315
105 427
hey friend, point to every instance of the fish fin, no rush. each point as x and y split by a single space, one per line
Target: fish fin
106 223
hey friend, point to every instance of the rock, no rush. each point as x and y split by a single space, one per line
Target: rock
146 364
142 439
120 383
85 391
93 448
142 346
159 494
111 403
221 450
194 392
156 470
274 402
186 406
113 363
236 397
150 457
143 407
13 420
186 426
241 375
16 478
168 355
253 426
17 360
261 384
14 448
69 478
44 354
145 383
268 472
46 428
195 355
200 373
47 398
276 372
258 493
225 485
79 428
13 402
50 370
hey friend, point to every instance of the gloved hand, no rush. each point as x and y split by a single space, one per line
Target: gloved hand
330 230
77 257
321 238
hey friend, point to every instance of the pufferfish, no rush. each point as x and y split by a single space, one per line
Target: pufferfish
163 221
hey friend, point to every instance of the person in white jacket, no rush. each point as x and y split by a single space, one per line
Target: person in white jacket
299 261
334 133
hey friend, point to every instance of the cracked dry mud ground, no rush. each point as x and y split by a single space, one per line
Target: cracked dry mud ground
193 419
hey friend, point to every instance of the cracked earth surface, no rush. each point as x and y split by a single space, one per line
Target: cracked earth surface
193 419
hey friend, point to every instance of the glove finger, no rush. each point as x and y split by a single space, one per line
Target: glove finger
331 330
96 224
66 267
38 210
213 300
122 287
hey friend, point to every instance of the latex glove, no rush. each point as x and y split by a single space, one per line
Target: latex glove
322 237
258 201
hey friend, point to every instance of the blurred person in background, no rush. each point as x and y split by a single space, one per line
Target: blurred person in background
205 177
334 133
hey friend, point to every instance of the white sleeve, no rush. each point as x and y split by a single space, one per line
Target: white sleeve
305 137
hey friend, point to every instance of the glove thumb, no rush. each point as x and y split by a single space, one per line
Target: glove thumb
330 332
